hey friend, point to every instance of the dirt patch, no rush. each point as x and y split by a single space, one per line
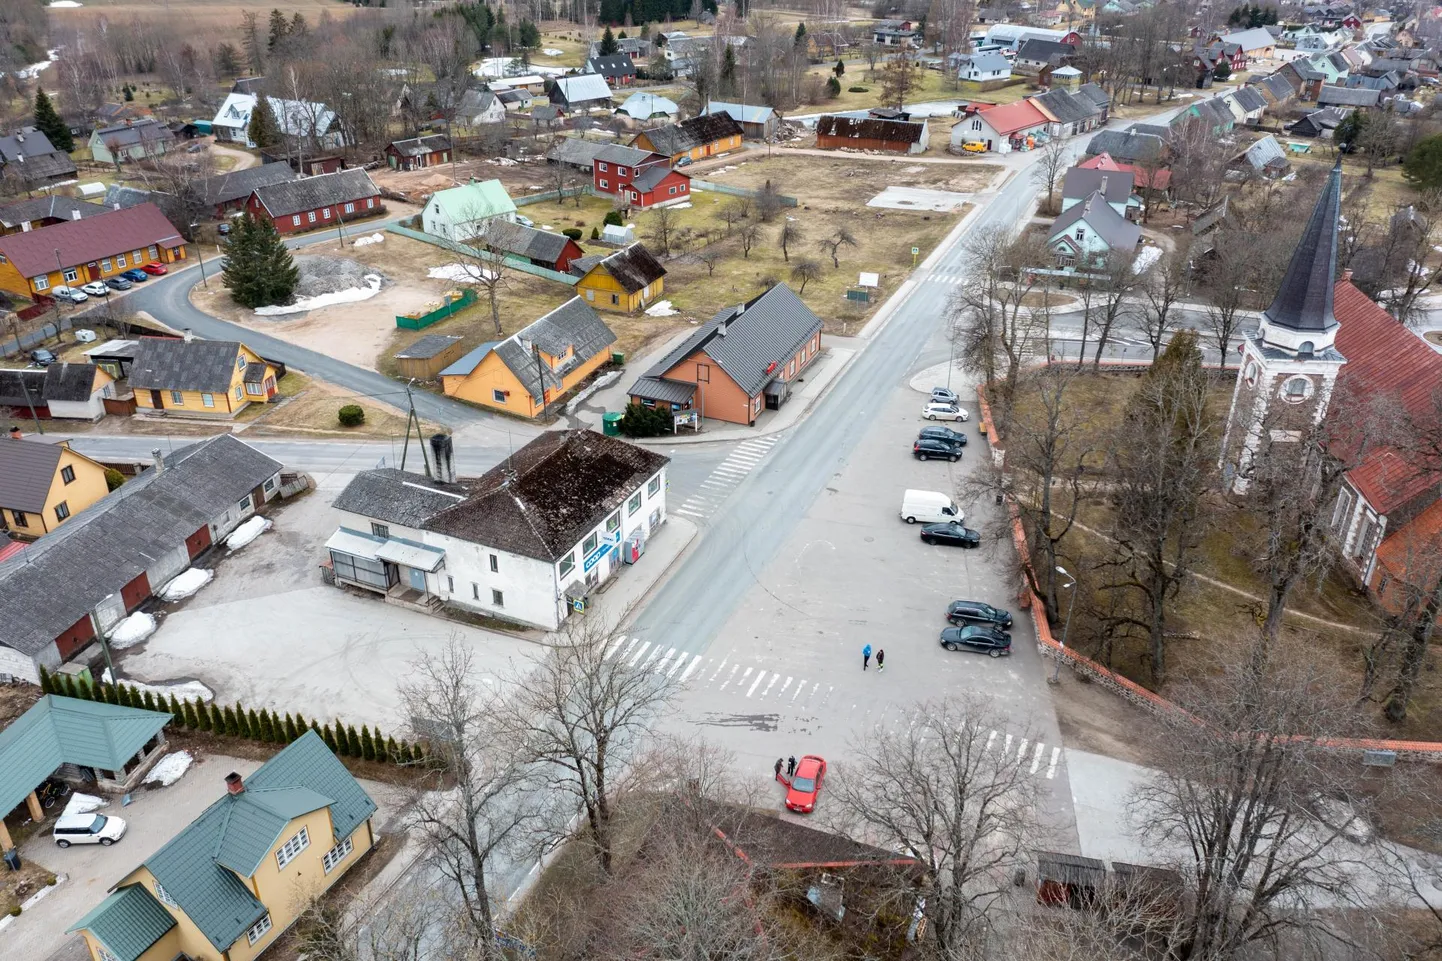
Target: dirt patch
1095 719
314 409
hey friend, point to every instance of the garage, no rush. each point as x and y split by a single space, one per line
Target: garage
134 593
198 542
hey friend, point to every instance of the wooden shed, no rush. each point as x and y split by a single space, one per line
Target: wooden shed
428 356
1068 879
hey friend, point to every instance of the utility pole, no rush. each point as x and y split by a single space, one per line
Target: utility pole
411 418
31 404
199 253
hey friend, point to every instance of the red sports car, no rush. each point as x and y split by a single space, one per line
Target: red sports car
805 784
155 270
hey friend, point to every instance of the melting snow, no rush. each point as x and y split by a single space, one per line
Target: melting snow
83 804
247 532
170 768
132 630
661 308
372 239
548 51
184 690
459 273
66 4
350 295
1145 259
685 206
186 583
33 71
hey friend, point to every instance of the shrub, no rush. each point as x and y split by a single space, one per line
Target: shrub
45 686
113 478
614 218
595 233
254 727
15 911
833 88
352 415
191 721
50 881
857 90
368 744
574 233
640 421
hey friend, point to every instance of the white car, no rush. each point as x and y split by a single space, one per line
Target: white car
69 293
88 829
96 289
938 410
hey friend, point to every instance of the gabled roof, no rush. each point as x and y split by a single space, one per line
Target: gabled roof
1065 107
427 347
127 922
1038 50
239 184
473 202
1265 153
641 105
652 177
870 128
742 112
397 496
1248 99
990 62
311 193
632 267
582 88
294 117
625 156
1127 146
25 145
1348 96
678 138
575 151
420 146
543 499
1081 182
147 131
67 381
65 730
53 207
574 325
1276 86
506 237
748 340
27 471
167 363
1257 38
1095 93
1119 233
1012 117
34 252
610 67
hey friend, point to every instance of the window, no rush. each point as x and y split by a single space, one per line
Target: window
295 221
240 362
287 854
163 896
682 188
325 214
976 125
604 168
207 400
350 208
135 256
604 185
237 392
590 295
568 564
104 954
336 855
1081 233
255 389
589 544
1305 347
1343 511
370 202
615 298
62 511
613 522
177 398
359 570
654 487
634 504
269 485
495 564
153 252
21 519
119 261
244 504
475 591
1296 390
498 395
258 931
673 191
380 530
41 283
70 275
450 584
620 171
105 266
310 216
67 474
497 598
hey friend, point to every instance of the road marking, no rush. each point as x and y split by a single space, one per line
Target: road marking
1006 748
783 687
715 484
774 679
733 470
662 664
654 654
990 738
1021 755
718 671
1051 768
689 513
798 690
611 646
637 656
1036 757
761 676
628 647
689 669
729 677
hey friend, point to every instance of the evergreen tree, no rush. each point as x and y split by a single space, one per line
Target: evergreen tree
267 729
227 60
264 129
128 696
148 700
294 728
259 270
48 122
45 685
799 40
528 35
380 743
254 729
173 706
329 738
128 92
393 752
217 718
609 45
839 69
227 722
202 714
192 722
298 26
353 742
728 70
368 746
279 27
63 685
1423 166
242 723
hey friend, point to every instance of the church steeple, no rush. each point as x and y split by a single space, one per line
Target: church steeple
1303 304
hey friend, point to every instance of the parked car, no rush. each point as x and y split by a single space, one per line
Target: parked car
974 637
222 229
155 270
42 357
944 433
137 275
945 395
96 289
525 221
974 146
684 162
929 507
977 612
73 294
87 829
118 282
943 411
803 787
951 533
925 448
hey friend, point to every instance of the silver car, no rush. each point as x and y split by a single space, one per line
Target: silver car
938 410
72 294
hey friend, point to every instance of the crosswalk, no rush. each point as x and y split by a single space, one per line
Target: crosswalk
719 484
947 275
762 688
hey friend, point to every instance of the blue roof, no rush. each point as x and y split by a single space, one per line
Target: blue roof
470 361
741 112
127 923
643 105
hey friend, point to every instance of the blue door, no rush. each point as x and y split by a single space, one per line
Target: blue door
417 579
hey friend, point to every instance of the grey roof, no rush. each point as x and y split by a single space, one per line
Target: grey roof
122 197
1387 64
1257 38
575 151
27 144
1115 185
632 267
742 112
27 470
1276 84
310 193
239 831
1118 232
474 102
575 325
523 241
985 62
626 156
659 388
1037 50
65 730
67 381
681 137
1249 99
1348 96
1306 71
163 363
584 88
238 184
548 495
53 207
1304 300
1266 152
397 496
1387 81
427 347
870 128
1126 146
420 146
127 922
21 388
101 549
611 67
651 176
1095 93
1067 107
747 339
1328 118
147 131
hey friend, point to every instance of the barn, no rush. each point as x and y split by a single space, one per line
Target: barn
319 201
868 133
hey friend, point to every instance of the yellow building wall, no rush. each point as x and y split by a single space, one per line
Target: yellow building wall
597 287
87 488
11 280
491 375
192 401
166 949
185 936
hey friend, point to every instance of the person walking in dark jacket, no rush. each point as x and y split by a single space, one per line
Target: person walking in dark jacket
779 762
880 659
791 766
865 656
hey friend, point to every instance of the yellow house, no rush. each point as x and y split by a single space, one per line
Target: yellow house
694 139
77 252
44 485
201 378
228 885
626 281
534 366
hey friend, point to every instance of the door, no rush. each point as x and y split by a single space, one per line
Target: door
155 400
417 579
198 541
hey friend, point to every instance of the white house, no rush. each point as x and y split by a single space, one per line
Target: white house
529 541
296 118
460 213
982 67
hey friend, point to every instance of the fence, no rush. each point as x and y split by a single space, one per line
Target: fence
739 191
515 263
453 304
550 195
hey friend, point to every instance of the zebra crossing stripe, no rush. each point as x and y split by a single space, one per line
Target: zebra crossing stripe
1021 755
761 676
695 660
1036 757
734 669
774 679
990 738
611 646
718 671
637 656
628 647
654 654
1051 768
799 686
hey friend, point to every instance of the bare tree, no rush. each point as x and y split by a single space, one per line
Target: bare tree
733 214
1051 163
804 272
1163 287
832 244
790 235
661 231
749 234
709 256
768 202
900 77
964 809
393 929
1112 280
484 266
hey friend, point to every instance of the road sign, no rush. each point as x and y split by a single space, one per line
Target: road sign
915 251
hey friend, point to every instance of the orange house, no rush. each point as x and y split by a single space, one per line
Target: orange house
694 139
80 251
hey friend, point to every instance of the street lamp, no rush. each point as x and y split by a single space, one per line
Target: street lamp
1066 629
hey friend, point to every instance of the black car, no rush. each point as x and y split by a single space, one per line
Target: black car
118 283
950 533
944 433
987 640
925 448
42 357
977 612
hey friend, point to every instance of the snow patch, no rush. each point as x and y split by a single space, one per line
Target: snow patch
460 273
548 51
33 71
682 206
372 239
247 532
132 630
661 308
170 768
64 4
186 583
1145 259
83 804
183 690
351 295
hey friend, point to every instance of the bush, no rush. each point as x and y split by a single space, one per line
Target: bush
833 88
595 233
113 478
574 233
15 911
640 421
614 218
352 415
857 90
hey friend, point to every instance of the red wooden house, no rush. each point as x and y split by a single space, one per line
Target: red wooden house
314 202
640 177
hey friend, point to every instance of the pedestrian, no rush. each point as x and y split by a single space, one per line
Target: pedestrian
865 656
778 768
880 659
791 766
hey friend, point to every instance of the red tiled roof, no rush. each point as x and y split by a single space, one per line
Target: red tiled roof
1409 555
10 548
1389 478
1140 176
1011 117
81 241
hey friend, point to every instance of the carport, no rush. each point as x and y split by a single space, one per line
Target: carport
107 746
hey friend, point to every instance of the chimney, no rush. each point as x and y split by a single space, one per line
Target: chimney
157 459
189 335
75 214
15 433
1347 274
234 784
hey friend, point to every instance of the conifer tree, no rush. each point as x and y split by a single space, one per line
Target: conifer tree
393 752
353 741
227 722
192 722
173 706
48 122
252 723
267 729
259 270
368 745
609 46
329 737
148 699
263 130
217 718
45 685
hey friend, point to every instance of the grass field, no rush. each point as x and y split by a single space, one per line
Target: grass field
207 15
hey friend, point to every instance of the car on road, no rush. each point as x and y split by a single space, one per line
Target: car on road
977 612
974 637
222 229
974 146
137 275
684 162
118 283
155 270
73 294
42 357
96 289
944 433
87 829
939 410
925 448
945 395
950 533
804 786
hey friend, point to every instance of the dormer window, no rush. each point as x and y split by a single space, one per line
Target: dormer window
1305 348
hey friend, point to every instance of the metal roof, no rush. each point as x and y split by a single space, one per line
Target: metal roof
473 202
658 388
582 89
574 325
127 922
427 347
742 112
64 730
1304 300
641 105
397 496
1082 182
1118 232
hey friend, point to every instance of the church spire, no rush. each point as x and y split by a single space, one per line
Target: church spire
1304 301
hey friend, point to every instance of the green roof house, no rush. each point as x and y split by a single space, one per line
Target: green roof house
227 885
460 213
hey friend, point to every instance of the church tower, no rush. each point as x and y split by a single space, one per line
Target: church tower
1290 365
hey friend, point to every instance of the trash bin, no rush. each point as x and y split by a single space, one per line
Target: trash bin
611 424
12 859
618 357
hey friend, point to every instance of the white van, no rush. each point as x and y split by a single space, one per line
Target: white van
929 507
